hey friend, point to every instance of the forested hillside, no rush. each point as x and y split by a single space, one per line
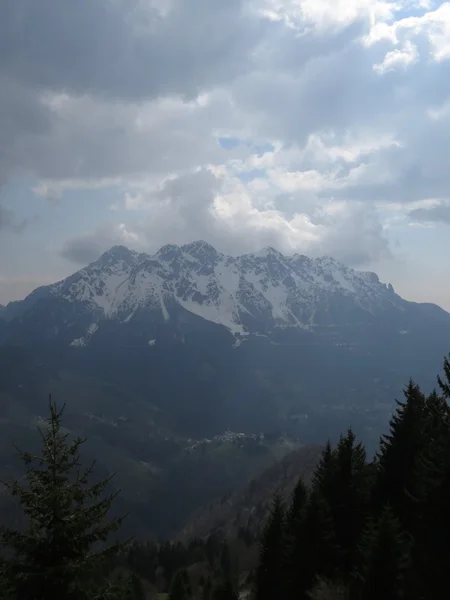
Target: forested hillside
358 528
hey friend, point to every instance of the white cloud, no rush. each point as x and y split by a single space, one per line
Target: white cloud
324 15
88 247
433 26
398 59
336 114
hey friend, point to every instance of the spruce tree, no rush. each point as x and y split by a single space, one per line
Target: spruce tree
399 455
224 590
328 590
136 589
432 550
269 574
313 552
299 498
180 588
350 503
207 589
63 548
343 479
444 384
293 547
324 474
383 561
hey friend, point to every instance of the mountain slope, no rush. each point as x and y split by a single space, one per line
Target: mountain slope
154 352
256 342
250 504
251 294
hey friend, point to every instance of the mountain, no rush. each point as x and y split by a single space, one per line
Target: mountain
249 505
157 355
258 293
249 342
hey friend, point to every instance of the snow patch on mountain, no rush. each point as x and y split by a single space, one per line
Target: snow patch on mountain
83 341
236 292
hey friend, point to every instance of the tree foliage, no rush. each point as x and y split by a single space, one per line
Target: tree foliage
362 530
379 529
269 574
63 548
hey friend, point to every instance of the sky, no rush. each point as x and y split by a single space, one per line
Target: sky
313 126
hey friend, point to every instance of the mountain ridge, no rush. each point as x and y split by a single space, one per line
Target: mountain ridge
254 293
189 343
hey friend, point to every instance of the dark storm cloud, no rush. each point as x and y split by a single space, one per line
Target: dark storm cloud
438 214
6 218
124 48
82 250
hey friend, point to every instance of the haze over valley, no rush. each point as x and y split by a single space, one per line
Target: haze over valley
224 258
167 358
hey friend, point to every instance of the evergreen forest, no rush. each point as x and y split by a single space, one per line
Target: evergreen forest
364 527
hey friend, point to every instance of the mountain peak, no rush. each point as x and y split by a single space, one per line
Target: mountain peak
168 252
116 254
255 292
200 249
266 252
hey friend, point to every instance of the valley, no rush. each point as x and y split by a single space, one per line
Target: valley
156 360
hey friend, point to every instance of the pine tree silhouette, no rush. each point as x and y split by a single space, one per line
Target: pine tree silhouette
444 384
62 550
269 574
399 455
181 586
383 560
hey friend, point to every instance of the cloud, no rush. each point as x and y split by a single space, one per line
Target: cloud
204 204
10 222
398 59
127 49
6 218
113 88
85 249
337 111
14 287
439 213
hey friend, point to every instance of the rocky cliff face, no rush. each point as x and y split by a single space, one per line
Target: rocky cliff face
249 294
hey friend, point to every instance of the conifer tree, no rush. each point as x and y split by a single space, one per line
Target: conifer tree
328 590
269 574
314 551
181 586
383 561
444 384
136 589
324 474
399 455
293 547
206 589
343 480
350 504
61 551
224 590
432 550
299 498
437 415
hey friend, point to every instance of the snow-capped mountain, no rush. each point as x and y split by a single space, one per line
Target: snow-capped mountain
246 294
227 342
256 293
